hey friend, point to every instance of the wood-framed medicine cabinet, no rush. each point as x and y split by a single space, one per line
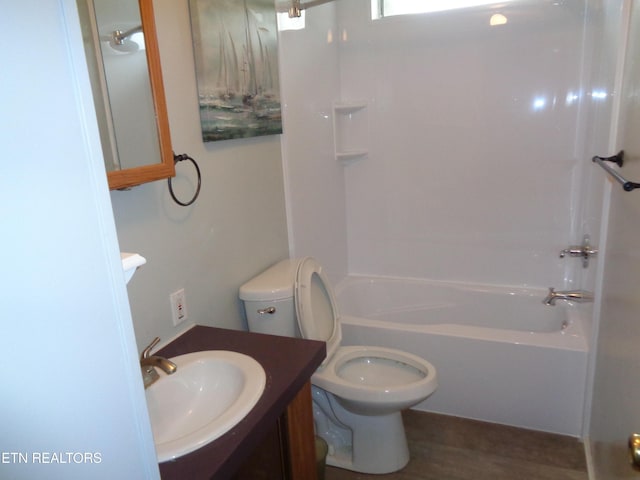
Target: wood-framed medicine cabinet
126 79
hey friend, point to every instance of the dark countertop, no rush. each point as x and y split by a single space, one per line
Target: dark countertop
288 364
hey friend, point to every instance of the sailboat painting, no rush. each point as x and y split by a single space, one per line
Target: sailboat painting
236 57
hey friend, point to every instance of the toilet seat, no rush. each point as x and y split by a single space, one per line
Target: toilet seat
316 311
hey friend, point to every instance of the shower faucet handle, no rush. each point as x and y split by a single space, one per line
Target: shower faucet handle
585 251
573 251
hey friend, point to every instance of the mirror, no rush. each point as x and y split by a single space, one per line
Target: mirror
124 67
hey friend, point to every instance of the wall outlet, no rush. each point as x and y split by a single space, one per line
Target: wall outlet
178 306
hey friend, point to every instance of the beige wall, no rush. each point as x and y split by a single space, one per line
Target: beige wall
235 229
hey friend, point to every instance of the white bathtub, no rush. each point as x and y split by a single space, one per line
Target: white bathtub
501 355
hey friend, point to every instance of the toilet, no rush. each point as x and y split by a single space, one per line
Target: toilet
358 392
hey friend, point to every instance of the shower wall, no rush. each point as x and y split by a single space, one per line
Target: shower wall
314 181
473 134
472 145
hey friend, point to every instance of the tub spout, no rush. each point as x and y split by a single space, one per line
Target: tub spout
571 295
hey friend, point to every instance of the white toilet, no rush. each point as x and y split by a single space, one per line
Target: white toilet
358 392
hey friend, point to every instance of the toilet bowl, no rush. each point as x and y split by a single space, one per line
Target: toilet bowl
375 380
358 391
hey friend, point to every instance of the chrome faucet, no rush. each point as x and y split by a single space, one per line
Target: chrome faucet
585 251
571 295
149 362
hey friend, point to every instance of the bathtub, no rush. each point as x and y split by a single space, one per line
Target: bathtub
501 355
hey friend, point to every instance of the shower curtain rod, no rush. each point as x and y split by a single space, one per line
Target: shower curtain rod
295 10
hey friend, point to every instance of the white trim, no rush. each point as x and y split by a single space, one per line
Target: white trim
591 473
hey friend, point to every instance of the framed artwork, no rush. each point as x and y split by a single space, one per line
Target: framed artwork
236 56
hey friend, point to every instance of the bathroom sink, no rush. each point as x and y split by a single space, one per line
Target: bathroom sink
210 392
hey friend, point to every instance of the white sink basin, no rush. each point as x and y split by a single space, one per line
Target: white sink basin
207 396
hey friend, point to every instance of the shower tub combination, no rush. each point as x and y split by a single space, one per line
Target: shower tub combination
501 355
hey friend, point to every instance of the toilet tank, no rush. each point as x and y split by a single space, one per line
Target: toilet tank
268 300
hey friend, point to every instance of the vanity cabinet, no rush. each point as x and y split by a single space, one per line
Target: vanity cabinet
268 461
276 439
287 452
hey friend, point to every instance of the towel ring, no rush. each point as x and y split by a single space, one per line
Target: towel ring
180 158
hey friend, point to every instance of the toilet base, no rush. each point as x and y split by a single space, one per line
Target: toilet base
379 444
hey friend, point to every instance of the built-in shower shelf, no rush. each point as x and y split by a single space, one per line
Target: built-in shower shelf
351 155
350 129
348 107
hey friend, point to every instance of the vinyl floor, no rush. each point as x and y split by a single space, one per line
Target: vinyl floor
451 448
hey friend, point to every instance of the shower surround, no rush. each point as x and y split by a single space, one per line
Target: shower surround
473 136
473 142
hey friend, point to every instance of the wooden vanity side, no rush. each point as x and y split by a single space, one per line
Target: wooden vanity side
300 438
288 451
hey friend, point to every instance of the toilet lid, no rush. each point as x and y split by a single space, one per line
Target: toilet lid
316 310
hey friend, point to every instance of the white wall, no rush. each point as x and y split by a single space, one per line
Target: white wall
71 381
234 230
616 393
